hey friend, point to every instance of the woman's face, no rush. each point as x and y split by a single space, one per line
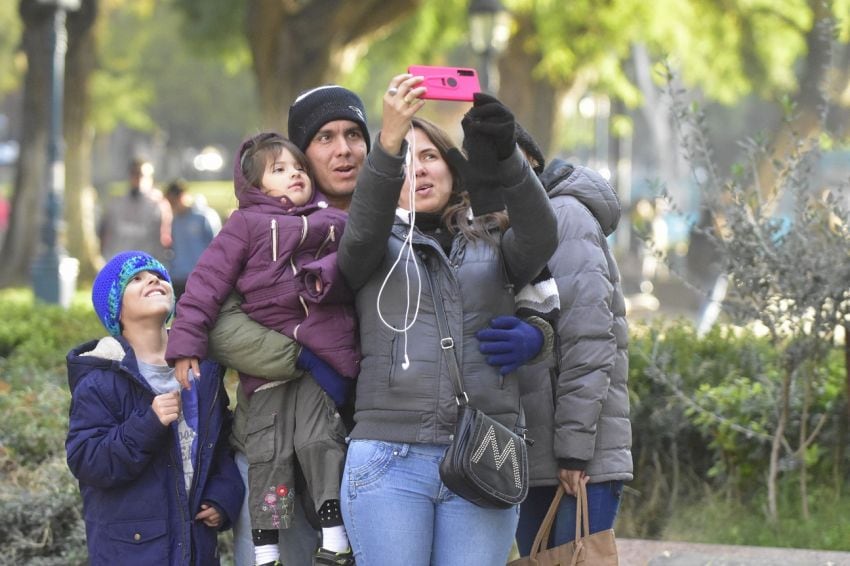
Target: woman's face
432 174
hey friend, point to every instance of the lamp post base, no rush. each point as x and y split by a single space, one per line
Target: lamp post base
54 278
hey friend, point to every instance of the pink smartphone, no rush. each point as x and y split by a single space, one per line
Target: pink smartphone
447 83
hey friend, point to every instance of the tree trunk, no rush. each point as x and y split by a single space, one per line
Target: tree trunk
531 100
776 446
80 222
809 103
847 369
804 443
292 43
22 237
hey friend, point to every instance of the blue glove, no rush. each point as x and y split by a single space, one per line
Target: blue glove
509 342
327 377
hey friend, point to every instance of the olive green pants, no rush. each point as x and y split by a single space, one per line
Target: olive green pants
293 420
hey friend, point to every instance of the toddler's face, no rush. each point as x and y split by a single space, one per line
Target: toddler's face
286 177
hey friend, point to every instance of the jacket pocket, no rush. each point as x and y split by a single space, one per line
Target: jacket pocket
260 438
144 540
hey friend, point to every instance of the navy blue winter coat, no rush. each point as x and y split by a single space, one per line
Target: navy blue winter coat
135 503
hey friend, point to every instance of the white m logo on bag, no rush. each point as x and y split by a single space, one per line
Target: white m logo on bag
499 456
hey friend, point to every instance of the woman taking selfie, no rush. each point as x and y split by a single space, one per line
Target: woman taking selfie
447 264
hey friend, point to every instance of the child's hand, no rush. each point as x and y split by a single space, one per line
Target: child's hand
181 371
167 407
209 515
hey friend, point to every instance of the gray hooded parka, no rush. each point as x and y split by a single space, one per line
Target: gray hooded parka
584 424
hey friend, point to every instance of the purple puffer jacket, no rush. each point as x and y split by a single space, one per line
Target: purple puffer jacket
301 293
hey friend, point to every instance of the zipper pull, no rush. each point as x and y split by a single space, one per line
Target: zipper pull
274 238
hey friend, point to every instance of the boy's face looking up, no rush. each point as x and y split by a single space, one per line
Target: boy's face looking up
285 176
336 154
146 296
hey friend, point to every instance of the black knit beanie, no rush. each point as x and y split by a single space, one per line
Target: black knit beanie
530 147
316 107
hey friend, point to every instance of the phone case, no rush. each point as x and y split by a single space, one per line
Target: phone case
447 83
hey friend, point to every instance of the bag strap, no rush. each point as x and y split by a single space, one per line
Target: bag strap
541 541
447 344
585 515
582 521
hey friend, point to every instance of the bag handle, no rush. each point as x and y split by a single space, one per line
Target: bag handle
541 541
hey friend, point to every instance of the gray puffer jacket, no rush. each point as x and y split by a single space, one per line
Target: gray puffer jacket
584 423
417 404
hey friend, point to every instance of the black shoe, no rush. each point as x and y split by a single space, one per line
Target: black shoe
325 557
275 563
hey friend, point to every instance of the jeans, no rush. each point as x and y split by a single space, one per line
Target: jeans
397 511
603 502
297 543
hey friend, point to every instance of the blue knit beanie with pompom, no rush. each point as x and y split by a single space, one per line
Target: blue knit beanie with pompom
108 290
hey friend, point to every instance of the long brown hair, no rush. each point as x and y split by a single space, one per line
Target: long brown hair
456 215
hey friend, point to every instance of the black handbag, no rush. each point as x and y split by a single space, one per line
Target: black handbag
487 463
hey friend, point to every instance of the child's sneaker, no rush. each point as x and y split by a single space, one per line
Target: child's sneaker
325 557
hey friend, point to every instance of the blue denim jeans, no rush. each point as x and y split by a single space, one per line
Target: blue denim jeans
603 502
397 511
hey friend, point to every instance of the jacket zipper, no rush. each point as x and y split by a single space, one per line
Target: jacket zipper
273 228
303 237
186 541
200 446
331 237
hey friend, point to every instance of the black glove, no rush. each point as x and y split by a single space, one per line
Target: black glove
491 123
481 182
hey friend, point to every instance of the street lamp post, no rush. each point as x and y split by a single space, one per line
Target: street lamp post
489 31
54 273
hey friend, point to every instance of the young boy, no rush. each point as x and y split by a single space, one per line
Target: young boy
278 250
155 470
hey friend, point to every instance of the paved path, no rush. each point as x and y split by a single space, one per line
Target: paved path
635 552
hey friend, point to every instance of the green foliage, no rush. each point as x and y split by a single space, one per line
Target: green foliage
34 396
214 28
429 37
193 98
703 415
34 424
39 498
37 335
721 520
42 521
10 69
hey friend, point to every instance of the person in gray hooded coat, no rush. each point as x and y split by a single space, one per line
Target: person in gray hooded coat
577 403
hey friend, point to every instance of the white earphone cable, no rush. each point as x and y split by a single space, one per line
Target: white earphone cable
406 251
